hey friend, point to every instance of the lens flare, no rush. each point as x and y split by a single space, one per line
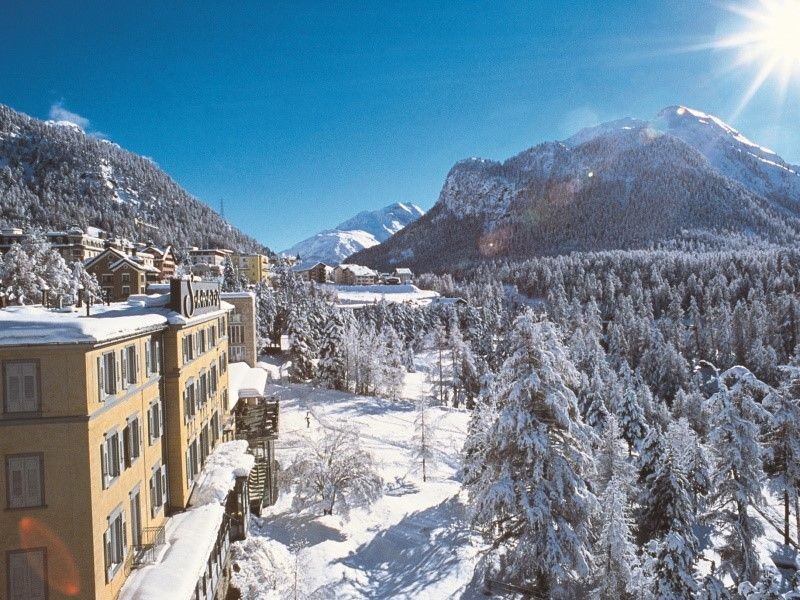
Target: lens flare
769 40
62 574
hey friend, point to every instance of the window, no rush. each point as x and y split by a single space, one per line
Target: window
21 386
223 363
111 453
136 517
237 334
188 348
225 399
201 341
107 278
130 366
131 441
24 481
205 449
155 421
152 356
158 488
213 380
202 396
192 466
115 542
212 336
126 278
215 429
27 573
189 402
106 375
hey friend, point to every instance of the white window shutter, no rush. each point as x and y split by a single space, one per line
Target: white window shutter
33 481
147 356
100 379
123 359
121 453
104 465
13 389
108 553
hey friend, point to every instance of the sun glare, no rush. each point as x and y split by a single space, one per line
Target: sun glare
769 39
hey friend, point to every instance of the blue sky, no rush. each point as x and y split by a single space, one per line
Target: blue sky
302 114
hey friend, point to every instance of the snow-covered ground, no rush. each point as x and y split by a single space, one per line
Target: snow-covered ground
412 543
352 296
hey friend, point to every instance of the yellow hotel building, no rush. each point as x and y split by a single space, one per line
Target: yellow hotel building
105 423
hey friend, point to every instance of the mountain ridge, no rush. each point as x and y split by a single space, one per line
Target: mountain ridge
624 184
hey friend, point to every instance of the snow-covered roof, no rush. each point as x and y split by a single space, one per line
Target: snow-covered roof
130 260
190 537
237 295
403 271
228 461
35 325
360 270
247 379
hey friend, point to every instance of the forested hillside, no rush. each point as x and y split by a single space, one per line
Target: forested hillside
53 175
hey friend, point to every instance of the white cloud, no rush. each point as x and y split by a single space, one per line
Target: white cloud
58 112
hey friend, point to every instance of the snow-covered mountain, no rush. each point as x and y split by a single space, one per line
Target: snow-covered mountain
624 184
365 230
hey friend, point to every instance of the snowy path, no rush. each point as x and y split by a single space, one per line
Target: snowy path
413 543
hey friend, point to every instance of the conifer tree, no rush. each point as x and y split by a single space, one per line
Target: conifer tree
332 368
528 482
300 348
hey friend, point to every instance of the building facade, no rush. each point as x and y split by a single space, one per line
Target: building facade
105 423
122 275
253 267
242 327
354 275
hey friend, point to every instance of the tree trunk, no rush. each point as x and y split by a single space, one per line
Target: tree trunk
786 519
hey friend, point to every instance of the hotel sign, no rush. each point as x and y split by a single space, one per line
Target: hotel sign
192 298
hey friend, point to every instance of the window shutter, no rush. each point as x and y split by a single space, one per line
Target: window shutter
136 364
13 390
147 357
16 482
114 374
100 379
123 356
33 481
160 418
164 486
104 465
124 527
138 433
108 553
117 372
153 494
157 350
121 453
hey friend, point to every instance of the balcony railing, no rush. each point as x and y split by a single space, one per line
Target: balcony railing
151 540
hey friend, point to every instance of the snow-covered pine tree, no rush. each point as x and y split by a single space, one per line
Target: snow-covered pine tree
527 483
612 458
332 367
265 314
230 278
302 368
618 574
22 283
737 480
391 363
626 407
782 448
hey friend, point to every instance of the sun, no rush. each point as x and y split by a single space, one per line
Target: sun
769 39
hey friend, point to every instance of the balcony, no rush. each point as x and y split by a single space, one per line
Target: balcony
146 553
